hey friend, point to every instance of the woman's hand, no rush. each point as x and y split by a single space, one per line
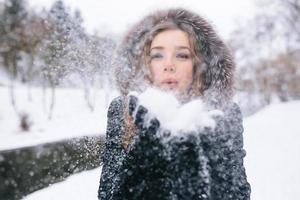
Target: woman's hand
142 119
177 160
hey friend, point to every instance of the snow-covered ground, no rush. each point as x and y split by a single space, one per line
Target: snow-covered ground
83 186
272 141
71 116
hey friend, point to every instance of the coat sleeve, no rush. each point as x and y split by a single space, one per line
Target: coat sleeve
224 148
112 156
143 170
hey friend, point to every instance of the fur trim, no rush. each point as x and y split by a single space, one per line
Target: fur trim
218 76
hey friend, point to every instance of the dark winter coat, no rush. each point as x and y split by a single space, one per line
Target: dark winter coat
204 165
207 164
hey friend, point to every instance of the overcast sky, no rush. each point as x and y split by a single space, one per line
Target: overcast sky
117 15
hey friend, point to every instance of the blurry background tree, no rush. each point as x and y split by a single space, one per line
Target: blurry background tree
267 51
52 49
56 47
13 17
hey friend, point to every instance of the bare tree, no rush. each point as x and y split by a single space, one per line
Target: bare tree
55 48
267 53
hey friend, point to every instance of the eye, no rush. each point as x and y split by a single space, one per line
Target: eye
183 56
156 56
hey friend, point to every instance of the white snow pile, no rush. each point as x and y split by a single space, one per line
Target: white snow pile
174 116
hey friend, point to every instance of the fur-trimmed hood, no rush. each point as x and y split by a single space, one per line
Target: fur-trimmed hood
218 74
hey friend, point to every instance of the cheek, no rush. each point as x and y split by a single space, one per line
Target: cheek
187 73
155 72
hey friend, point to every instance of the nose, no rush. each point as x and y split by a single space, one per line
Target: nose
169 65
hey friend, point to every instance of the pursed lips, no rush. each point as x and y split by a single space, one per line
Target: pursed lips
171 83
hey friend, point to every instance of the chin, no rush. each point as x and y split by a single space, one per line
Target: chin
172 90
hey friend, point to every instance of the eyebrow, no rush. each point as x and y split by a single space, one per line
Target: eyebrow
177 47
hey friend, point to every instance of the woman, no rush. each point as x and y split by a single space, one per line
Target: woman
178 51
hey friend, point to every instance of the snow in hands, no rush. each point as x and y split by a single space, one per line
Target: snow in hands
174 116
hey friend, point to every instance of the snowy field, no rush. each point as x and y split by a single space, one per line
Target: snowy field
71 116
272 141
79 186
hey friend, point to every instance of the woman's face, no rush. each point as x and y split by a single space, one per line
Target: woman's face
171 64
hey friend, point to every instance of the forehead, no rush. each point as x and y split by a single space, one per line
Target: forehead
170 37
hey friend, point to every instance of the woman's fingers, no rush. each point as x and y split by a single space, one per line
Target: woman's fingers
132 103
154 125
140 116
139 112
